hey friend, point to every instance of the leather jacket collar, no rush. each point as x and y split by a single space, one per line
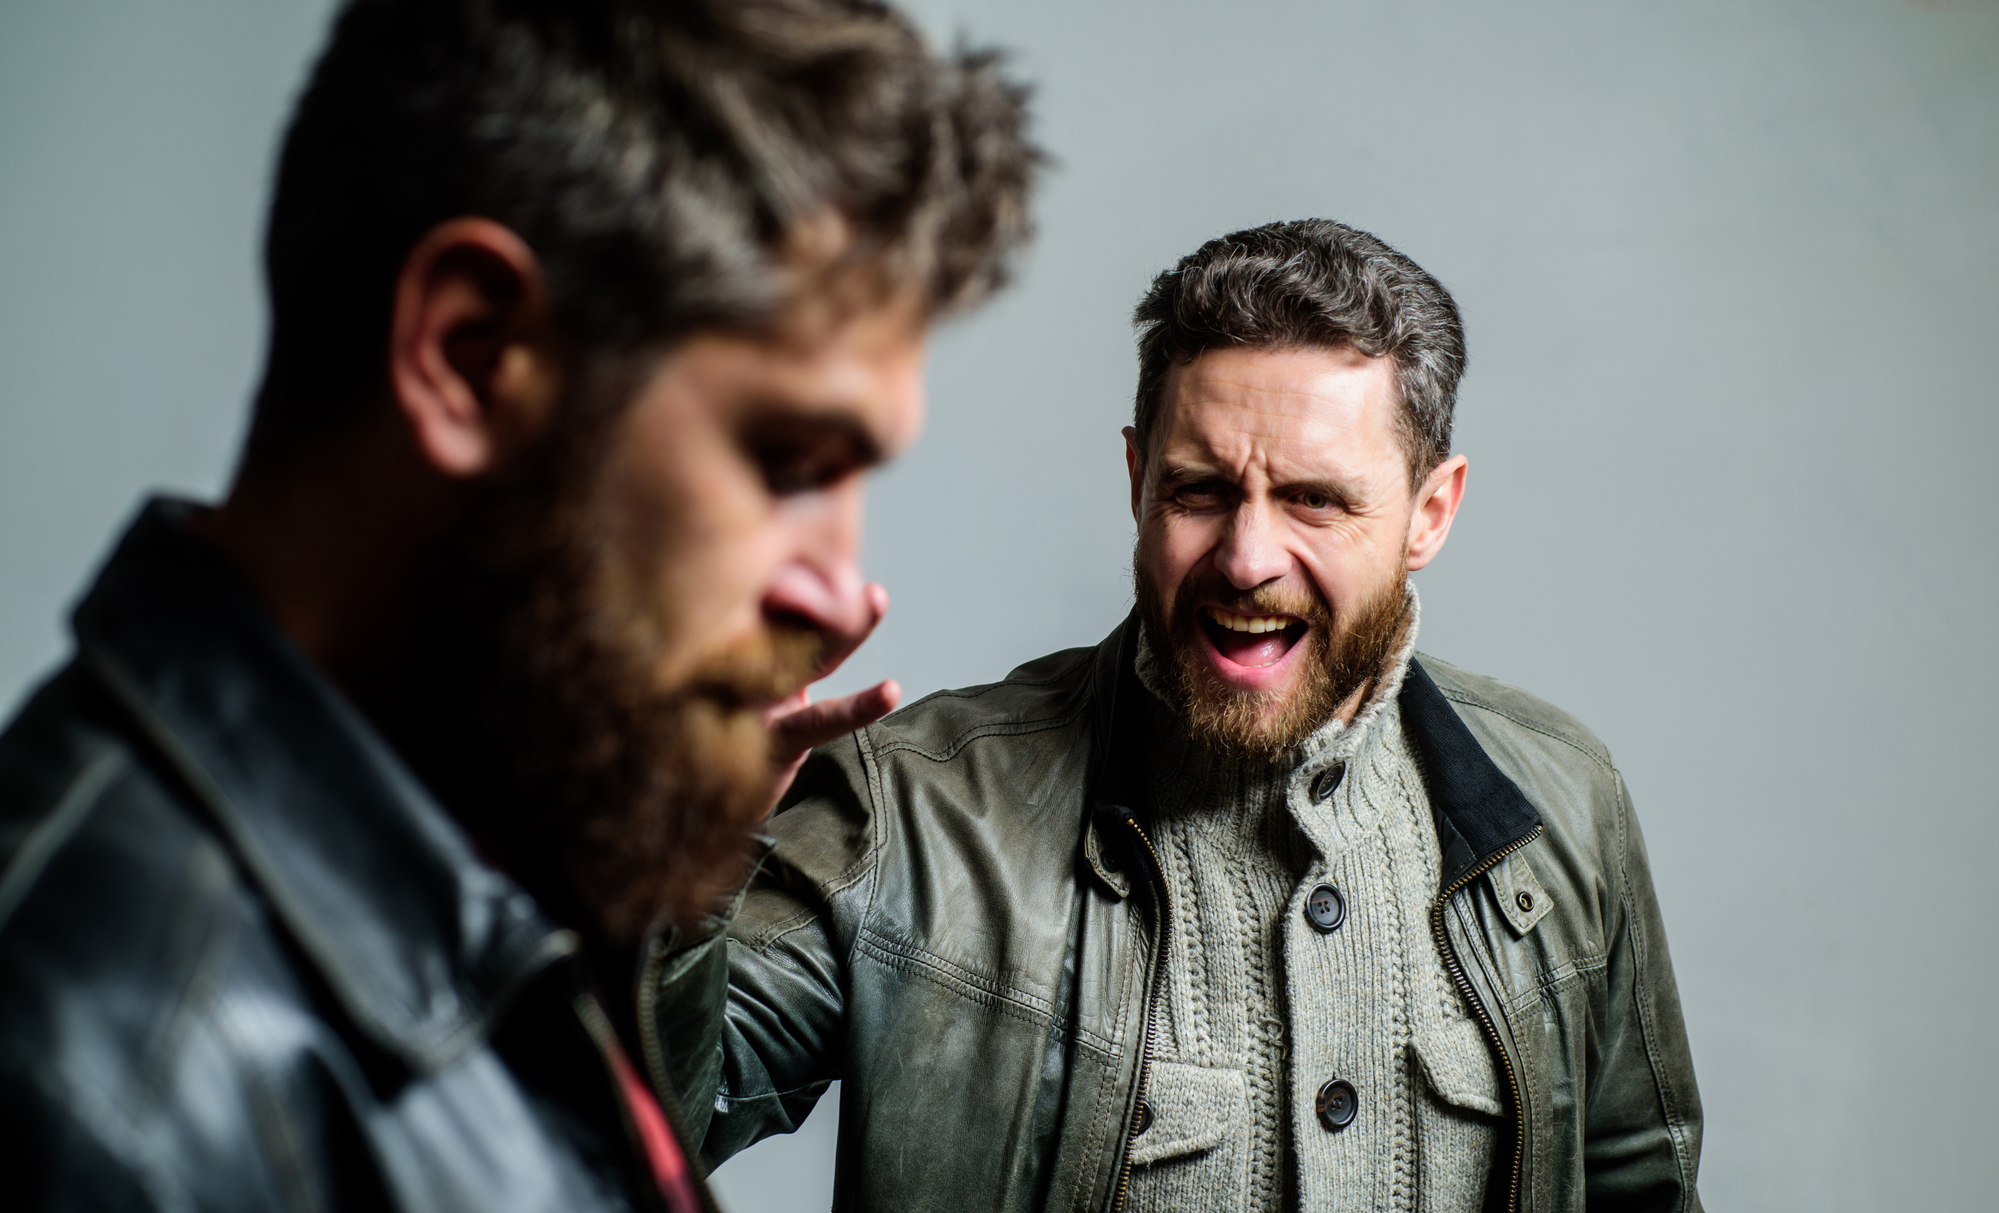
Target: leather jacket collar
420 942
1479 810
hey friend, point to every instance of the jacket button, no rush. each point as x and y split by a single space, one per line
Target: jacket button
1337 1104
1328 779
1144 1121
1524 900
1325 908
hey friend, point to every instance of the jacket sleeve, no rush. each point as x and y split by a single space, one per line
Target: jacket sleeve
754 1020
1642 1121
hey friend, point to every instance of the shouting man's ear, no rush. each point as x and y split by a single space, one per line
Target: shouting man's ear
1437 501
474 364
1134 466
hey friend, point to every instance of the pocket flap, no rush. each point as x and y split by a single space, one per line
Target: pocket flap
1192 1110
1521 898
1457 1063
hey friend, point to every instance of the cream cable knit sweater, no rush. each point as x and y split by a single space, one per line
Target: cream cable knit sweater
1261 1008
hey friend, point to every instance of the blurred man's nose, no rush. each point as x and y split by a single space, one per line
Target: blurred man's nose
821 584
825 596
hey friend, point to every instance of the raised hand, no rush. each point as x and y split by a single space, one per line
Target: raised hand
797 724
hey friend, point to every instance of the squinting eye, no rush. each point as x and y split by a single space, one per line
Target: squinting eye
1315 501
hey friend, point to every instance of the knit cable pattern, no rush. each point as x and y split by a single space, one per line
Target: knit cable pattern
1260 1008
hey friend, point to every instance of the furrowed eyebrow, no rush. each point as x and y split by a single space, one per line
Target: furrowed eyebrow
1181 473
1344 493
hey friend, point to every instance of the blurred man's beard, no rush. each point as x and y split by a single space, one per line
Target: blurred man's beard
528 702
1348 653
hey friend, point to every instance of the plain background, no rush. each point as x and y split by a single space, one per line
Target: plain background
1730 273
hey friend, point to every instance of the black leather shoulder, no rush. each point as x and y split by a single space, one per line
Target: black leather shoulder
62 760
130 948
245 962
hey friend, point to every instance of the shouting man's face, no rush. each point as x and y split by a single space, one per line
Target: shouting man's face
587 687
1276 526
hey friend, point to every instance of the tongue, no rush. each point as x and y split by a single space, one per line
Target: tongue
1251 648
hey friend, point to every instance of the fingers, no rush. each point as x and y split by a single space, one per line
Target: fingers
798 729
786 706
797 725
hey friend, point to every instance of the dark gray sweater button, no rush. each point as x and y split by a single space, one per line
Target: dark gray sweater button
1327 780
1337 1104
1143 1121
1325 908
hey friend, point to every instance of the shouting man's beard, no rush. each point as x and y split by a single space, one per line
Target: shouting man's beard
528 701
1348 653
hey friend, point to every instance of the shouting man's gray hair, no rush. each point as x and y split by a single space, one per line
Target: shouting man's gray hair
1301 284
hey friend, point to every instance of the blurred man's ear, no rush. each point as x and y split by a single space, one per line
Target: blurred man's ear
474 365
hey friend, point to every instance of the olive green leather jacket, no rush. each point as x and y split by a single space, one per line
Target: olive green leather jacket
959 919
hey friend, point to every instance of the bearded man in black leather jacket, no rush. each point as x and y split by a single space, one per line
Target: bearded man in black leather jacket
325 862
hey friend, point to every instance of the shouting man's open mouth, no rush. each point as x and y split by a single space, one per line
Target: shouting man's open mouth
1250 651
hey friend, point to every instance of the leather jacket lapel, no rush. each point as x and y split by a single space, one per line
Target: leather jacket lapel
420 942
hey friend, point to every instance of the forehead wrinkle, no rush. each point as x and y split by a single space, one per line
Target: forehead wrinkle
1263 446
1285 429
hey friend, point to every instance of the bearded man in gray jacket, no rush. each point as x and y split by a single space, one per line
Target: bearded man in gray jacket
1250 906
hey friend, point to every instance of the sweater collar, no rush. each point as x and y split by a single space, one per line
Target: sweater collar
1479 810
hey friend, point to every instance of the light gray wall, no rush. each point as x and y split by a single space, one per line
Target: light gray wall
135 144
1731 279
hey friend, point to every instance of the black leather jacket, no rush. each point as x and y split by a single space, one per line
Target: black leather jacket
247 963
959 919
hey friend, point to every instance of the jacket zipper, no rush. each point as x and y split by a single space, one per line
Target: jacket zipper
603 1037
1457 971
1151 1012
654 1058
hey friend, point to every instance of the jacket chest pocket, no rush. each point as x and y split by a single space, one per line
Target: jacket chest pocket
1456 1064
1193 1152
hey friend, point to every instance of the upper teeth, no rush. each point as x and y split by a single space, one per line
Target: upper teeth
1248 623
